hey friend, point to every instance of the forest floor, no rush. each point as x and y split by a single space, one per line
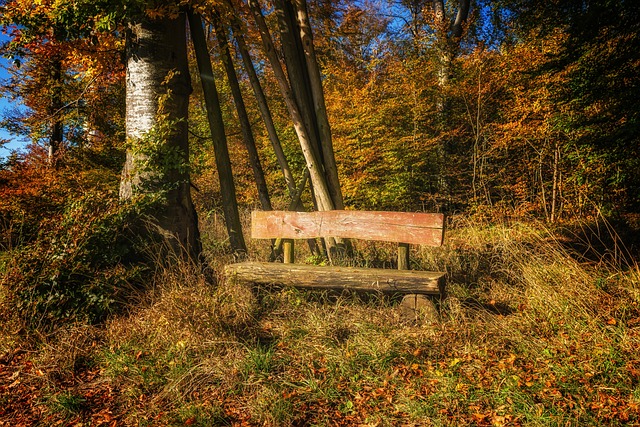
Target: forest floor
534 331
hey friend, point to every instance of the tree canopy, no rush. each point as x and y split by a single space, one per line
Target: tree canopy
511 106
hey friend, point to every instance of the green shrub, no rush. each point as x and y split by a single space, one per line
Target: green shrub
79 267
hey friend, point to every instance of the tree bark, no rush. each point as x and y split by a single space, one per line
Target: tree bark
448 35
297 70
315 81
243 117
57 128
157 97
264 110
555 183
216 124
322 195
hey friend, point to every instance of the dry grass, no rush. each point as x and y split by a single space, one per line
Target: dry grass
529 335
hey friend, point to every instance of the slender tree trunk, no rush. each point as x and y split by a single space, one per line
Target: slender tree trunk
296 202
243 117
158 89
315 80
448 35
264 111
57 128
216 125
322 195
543 193
555 184
297 70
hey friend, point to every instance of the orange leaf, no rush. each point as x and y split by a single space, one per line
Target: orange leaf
478 417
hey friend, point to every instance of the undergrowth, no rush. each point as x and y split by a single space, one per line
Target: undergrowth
530 334
77 269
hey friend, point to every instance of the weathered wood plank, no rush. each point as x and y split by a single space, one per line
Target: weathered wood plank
337 278
405 227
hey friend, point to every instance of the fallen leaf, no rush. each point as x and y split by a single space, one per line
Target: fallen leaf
478 417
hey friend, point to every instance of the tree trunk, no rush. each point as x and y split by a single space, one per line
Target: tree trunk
304 77
57 129
322 195
216 124
448 35
297 70
243 117
315 81
555 184
157 96
264 110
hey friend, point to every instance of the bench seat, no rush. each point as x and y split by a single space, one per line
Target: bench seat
338 278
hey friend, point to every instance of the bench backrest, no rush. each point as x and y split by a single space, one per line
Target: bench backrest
401 227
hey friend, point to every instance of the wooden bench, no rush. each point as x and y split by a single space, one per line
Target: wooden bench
403 228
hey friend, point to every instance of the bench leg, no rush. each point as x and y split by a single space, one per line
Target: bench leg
289 252
417 307
403 256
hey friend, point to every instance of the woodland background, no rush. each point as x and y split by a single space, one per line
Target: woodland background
524 130
541 114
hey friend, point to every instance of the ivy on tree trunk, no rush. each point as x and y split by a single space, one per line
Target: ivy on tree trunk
157 97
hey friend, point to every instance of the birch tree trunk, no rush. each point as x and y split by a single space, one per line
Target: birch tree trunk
157 97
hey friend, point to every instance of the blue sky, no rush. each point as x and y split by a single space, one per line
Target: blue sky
15 142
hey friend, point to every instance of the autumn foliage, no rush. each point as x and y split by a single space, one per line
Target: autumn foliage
524 130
